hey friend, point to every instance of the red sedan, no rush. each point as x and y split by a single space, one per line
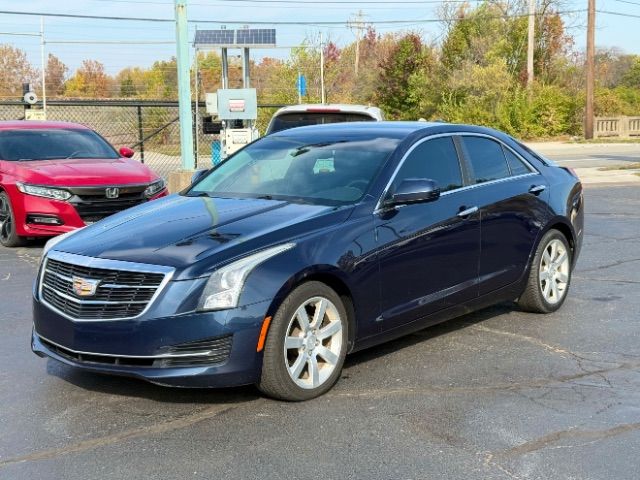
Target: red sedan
58 176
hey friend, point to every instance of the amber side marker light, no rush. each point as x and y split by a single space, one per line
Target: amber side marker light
263 333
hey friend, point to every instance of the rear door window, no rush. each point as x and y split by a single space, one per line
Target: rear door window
518 167
487 159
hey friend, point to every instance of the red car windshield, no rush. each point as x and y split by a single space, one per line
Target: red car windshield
53 144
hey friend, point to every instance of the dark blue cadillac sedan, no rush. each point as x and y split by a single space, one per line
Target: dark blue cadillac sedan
305 246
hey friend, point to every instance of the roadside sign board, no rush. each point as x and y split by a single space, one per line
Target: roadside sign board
31 114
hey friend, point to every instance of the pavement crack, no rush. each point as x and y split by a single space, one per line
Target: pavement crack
613 280
549 440
89 444
610 265
519 336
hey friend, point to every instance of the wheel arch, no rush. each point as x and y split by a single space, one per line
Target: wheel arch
566 229
330 276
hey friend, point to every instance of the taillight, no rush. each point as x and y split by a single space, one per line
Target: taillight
571 171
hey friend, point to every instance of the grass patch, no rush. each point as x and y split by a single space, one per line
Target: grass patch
626 166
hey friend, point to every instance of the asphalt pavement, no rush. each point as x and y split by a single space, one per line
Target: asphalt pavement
497 394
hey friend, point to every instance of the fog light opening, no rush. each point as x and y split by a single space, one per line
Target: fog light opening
44 220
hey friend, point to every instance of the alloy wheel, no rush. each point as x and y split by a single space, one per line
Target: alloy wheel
6 225
554 271
313 342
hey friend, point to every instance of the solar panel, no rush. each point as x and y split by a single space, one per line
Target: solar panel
261 37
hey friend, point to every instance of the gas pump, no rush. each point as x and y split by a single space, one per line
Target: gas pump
235 108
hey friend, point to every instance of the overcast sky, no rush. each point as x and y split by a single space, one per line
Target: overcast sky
619 31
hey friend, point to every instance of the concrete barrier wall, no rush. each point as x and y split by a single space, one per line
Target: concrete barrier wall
617 127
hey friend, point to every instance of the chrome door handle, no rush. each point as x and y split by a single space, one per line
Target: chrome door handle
469 211
536 189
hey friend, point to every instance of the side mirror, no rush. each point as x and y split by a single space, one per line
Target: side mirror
415 190
126 152
198 174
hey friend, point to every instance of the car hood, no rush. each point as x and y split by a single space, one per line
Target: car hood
193 234
82 172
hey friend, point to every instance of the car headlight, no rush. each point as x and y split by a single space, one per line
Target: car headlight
225 284
41 191
154 188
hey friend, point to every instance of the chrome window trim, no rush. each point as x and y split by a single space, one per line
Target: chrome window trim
534 171
107 264
110 355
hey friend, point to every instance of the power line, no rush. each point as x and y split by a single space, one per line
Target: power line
296 2
620 14
627 1
264 22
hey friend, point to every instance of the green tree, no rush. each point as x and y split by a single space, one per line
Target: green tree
394 94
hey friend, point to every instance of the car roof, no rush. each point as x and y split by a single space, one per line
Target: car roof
330 107
394 129
37 124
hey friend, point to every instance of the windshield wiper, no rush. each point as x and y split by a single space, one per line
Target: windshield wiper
198 194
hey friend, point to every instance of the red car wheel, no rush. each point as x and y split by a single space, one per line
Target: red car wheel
8 235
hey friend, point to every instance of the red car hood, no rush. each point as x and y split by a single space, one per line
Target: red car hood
83 172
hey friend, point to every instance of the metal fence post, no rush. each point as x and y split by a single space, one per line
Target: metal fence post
140 134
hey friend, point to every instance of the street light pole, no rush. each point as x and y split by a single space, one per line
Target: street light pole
44 67
184 86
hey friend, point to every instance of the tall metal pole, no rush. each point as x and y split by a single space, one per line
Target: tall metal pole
225 68
245 68
44 67
591 69
531 41
196 88
184 86
322 95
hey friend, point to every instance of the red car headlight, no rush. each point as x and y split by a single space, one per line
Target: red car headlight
155 187
43 191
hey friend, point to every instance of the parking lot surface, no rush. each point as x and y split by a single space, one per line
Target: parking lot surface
497 394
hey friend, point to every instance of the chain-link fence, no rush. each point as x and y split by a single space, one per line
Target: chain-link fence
151 128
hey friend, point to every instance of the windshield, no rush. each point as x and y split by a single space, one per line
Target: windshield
53 144
329 172
302 119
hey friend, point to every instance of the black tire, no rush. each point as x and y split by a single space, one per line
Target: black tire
8 235
533 299
275 380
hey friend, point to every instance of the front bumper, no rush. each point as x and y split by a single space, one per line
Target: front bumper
146 347
25 206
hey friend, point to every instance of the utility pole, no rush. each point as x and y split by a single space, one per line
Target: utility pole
44 67
591 69
322 94
531 41
184 86
357 25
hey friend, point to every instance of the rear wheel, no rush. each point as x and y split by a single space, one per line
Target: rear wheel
549 276
306 345
8 235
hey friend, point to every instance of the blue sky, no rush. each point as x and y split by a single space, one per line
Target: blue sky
619 31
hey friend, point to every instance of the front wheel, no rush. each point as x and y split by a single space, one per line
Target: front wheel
549 276
306 345
8 235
